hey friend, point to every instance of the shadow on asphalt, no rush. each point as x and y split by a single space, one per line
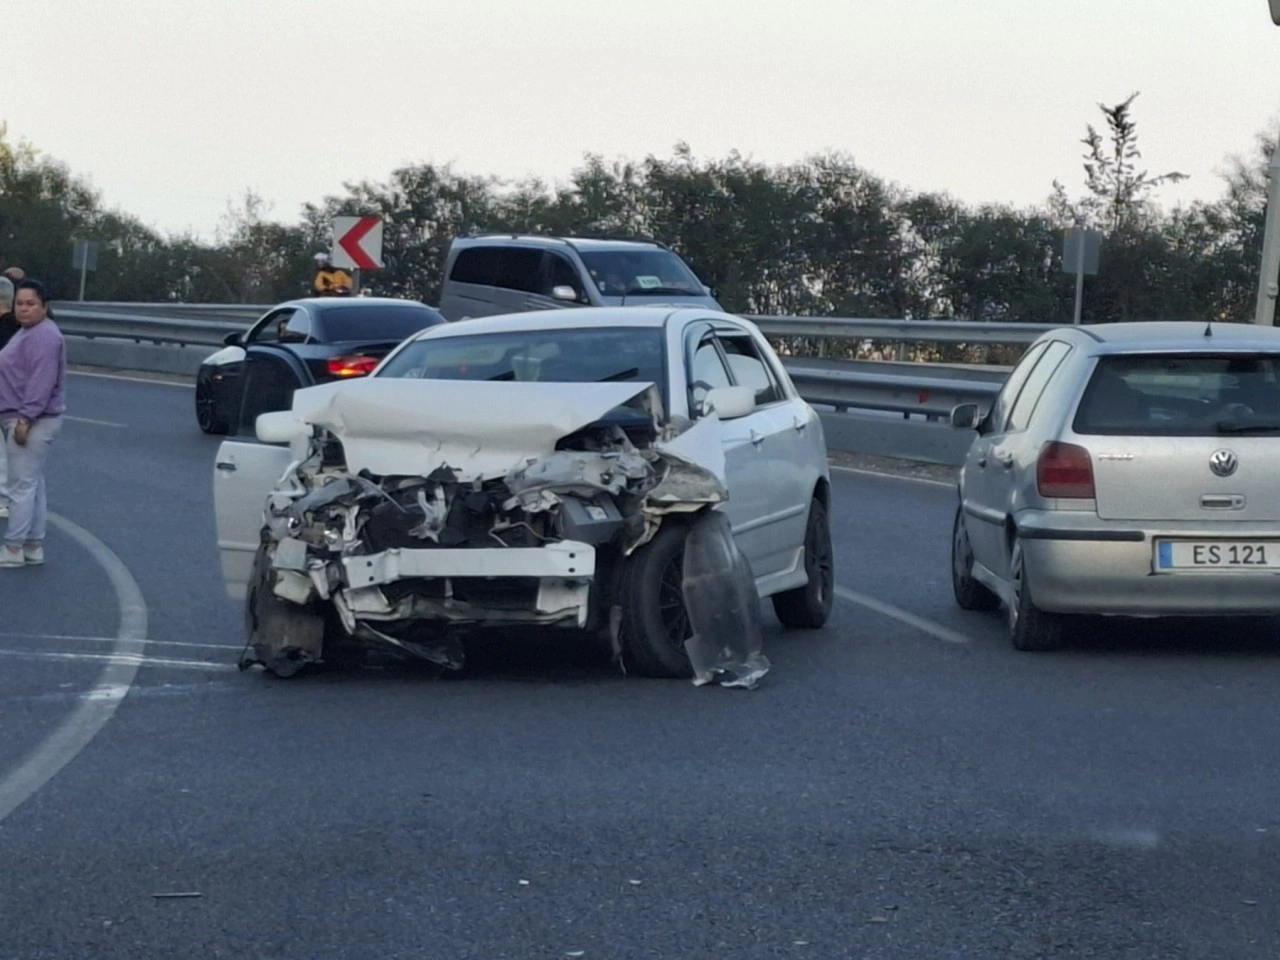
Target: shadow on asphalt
1210 638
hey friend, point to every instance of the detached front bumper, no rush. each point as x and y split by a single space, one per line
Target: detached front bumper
1080 564
550 584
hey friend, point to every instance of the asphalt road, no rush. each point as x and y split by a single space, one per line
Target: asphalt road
903 784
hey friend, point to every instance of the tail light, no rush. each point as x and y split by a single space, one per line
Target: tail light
1064 471
352 366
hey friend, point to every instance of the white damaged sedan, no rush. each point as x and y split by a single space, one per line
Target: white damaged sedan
543 468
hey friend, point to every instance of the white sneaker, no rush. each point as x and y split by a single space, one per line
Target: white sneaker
4 510
33 552
12 558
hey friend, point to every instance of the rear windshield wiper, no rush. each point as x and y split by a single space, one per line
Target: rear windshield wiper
508 375
1242 426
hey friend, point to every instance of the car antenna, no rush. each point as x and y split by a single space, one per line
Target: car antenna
1208 328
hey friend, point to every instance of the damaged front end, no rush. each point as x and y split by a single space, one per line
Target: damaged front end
395 530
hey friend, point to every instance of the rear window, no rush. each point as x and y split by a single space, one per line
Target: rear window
1182 395
376 322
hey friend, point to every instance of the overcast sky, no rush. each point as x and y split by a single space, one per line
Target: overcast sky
173 108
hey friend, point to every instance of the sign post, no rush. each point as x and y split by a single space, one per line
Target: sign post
84 257
1080 253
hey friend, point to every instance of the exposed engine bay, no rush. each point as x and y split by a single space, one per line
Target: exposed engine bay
356 551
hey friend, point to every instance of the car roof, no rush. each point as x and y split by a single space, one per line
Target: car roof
585 244
578 318
1190 336
322 304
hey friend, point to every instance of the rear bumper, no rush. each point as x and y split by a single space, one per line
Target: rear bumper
1083 565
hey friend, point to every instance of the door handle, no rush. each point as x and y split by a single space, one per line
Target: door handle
1005 458
226 465
757 438
982 461
799 424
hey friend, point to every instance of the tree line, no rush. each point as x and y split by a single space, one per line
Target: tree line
822 236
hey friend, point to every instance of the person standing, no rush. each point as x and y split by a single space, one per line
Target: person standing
33 367
329 281
8 327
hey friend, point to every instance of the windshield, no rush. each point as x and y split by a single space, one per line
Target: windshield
641 273
1182 395
388 321
618 354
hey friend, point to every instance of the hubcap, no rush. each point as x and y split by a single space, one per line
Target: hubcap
818 561
961 554
671 609
1015 583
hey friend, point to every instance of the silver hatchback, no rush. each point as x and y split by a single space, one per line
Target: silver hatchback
1128 469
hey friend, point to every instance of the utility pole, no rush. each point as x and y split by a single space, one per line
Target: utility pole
1269 274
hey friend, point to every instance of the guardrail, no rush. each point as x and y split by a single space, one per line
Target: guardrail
885 407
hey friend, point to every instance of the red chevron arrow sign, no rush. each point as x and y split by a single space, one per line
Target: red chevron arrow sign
357 243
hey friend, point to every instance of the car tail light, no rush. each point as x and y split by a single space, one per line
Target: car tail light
352 366
1064 471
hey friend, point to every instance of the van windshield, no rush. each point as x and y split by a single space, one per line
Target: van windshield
640 273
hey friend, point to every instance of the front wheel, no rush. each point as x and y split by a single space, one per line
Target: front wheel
655 623
969 593
209 413
809 607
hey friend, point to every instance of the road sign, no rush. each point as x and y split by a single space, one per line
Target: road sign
1080 250
357 243
84 256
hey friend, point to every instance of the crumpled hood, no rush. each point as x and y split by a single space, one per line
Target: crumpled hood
481 430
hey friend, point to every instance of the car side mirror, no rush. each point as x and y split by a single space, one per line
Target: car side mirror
729 403
232 339
280 426
965 416
564 292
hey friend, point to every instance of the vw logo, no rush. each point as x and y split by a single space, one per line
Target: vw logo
1223 463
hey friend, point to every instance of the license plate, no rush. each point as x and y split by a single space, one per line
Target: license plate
1217 555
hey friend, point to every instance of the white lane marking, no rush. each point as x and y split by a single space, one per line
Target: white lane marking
151 641
935 630
128 658
96 423
894 476
120 376
98 706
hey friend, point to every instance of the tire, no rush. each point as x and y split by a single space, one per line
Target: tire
284 636
209 413
809 607
1030 628
655 624
970 594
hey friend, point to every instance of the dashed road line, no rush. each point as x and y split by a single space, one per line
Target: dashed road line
151 641
923 624
96 423
883 475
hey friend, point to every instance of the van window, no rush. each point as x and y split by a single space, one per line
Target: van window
1182 395
519 269
475 265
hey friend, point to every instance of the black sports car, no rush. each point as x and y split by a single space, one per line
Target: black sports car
299 344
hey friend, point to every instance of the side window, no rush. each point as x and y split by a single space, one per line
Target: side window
1024 407
518 269
705 374
269 330
749 370
1012 387
475 265
560 273
297 329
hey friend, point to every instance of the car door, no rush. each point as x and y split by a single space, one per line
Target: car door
979 497
244 473
273 371
781 422
1015 450
267 330
743 441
